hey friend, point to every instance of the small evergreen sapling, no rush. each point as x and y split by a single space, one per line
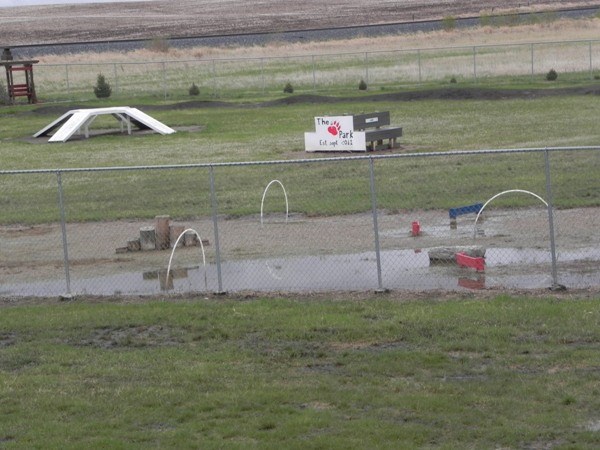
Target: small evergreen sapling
194 90
551 75
102 88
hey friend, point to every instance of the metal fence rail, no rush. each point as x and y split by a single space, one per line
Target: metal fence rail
231 78
530 220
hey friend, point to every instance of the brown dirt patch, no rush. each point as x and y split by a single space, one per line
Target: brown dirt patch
24 230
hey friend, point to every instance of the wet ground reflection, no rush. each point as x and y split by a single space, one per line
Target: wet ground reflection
401 269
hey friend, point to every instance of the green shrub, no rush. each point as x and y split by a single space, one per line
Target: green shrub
549 16
194 90
158 45
539 17
509 19
362 85
512 19
485 20
102 88
453 80
551 75
288 88
448 23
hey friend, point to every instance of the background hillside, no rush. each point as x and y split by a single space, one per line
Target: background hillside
64 23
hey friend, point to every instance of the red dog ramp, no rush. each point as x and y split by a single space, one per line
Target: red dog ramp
476 263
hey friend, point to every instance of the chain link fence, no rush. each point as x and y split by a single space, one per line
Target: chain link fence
523 219
574 61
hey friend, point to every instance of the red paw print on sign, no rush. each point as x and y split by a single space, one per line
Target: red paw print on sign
335 128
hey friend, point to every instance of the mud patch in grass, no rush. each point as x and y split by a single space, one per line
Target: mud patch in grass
7 339
12 361
133 336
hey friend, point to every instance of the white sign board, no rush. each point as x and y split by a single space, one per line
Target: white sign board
334 134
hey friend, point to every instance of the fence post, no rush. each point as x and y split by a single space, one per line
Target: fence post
532 71
214 77
314 70
63 229
375 225
367 68
213 201
116 79
164 70
68 84
419 62
262 74
555 284
475 63
591 61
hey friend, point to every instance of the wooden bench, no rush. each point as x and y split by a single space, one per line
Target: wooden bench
372 124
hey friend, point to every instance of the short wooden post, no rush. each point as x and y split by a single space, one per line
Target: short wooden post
165 280
162 232
190 239
175 230
134 245
147 238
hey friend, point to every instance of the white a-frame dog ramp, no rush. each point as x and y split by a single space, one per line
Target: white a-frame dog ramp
78 120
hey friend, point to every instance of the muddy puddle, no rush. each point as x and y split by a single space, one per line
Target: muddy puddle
511 268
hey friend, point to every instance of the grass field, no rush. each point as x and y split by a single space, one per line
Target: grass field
250 133
343 371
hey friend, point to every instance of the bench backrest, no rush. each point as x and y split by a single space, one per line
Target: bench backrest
371 120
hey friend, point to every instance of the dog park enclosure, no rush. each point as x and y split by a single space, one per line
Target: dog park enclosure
527 244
